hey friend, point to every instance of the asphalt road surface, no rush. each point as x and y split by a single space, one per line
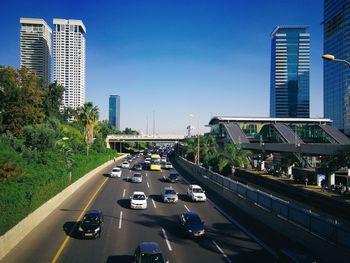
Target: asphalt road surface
56 239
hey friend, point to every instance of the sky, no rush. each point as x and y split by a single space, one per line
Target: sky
183 61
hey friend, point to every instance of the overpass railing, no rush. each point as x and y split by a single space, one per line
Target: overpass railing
170 137
325 228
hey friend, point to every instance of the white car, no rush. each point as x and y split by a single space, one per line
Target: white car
169 195
168 165
138 200
147 160
125 164
196 193
116 172
163 160
136 178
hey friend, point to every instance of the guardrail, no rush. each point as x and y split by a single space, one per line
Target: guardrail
173 137
324 228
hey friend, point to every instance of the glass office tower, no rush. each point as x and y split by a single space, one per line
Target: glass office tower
290 71
114 111
336 34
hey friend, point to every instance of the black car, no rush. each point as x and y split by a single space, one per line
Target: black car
191 224
148 252
137 167
90 226
172 178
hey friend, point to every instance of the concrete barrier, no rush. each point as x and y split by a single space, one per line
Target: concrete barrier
12 237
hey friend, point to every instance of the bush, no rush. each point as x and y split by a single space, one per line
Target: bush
40 136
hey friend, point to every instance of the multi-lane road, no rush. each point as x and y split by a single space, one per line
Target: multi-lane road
55 239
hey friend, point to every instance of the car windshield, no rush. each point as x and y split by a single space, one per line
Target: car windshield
193 220
170 192
152 258
91 220
197 190
173 176
139 197
116 170
168 163
137 175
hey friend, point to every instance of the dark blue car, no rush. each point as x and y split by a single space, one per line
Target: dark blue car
90 226
148 252
191 224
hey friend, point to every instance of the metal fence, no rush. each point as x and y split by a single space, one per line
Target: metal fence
323 227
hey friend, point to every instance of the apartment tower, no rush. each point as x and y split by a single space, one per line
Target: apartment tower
35 47
69 60
290 66
336 77
114 111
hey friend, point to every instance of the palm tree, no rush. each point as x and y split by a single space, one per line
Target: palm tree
88 115
236 155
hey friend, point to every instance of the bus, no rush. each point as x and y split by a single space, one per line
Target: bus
155 162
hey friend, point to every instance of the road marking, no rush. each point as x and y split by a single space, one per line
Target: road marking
166 240
120 220
222 252
154 204
147 184
63 245
146 174
245 230
124 193
187 208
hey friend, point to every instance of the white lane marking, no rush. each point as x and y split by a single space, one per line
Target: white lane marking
245 230
186 208
146 174
154 204
147 184
120 220
166 240
222 252
124 193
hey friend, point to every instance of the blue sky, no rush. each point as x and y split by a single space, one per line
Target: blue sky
178 57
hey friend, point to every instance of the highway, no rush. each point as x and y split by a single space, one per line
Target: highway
56 239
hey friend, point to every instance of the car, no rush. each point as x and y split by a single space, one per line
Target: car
196 193
169 195
191 224
172 178
116 172
137 167
125 164
163 160
147 160
168 165
91 224
136 178
147 252
138 200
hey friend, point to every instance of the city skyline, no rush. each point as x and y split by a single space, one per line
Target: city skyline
180 59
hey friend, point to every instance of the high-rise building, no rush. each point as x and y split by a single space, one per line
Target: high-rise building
114 111
69 60
290 66
35 45
336 77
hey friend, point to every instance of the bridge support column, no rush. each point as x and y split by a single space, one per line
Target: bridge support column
290 171
262 166
331 179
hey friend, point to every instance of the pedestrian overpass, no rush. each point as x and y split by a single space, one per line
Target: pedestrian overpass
115 142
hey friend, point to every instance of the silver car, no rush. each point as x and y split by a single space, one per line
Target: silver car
136 178
169 195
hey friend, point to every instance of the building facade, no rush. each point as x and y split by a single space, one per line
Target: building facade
114 111
290 72
35 47
69 60
336 77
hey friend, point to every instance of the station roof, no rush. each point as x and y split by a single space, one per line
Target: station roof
227 119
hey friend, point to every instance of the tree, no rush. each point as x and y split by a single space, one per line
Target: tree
236 155
53 99
88 115
21 97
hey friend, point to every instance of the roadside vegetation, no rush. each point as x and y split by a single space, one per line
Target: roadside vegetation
221 159
43 148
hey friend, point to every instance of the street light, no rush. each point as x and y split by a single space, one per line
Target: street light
333 58
192 115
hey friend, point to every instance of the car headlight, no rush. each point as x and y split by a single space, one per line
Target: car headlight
80 229
97 229
190 230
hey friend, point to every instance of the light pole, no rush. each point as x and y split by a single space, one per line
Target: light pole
197 161
333 58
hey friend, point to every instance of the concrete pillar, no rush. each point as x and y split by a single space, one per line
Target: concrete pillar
262 166
331 179
290 171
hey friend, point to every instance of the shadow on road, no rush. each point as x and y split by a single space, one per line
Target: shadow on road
156 198
71 229
120 259
124 203
184 198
